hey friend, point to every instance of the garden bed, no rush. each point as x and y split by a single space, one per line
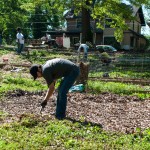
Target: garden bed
110 111
123 80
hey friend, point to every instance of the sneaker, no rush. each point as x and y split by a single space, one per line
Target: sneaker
59 118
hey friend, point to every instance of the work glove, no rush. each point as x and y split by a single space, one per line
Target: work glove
43 104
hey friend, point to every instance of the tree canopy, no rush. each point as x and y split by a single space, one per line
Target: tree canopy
49 13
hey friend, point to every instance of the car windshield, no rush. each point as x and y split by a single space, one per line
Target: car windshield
106 48
111 47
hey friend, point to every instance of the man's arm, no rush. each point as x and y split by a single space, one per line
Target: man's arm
50 91
48 95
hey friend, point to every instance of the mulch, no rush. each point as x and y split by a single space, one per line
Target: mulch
110 111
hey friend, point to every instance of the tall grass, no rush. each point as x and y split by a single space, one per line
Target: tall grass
117 88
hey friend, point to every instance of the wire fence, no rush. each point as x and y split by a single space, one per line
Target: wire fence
133 66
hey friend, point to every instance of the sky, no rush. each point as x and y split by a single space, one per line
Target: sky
145 30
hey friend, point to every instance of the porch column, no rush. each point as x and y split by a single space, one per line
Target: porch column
80 38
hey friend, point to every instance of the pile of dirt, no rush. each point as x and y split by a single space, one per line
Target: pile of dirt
111 111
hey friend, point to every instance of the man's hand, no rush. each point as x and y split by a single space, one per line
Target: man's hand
43 104
48 95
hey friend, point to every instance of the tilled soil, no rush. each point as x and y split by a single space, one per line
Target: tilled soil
112 112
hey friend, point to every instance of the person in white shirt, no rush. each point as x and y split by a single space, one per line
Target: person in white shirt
20 40
48 40
48 37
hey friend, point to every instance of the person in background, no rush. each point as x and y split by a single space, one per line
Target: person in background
20 40
48 39
84 48
51 71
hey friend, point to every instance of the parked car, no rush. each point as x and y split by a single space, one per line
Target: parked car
105 48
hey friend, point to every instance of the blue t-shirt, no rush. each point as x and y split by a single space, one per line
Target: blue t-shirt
85 48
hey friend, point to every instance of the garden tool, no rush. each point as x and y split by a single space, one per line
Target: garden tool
43 104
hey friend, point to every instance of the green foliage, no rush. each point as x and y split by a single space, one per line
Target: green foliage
12 83
54 134
44 55
9 23
105 55
3 52
123 74
117 88
26 14
39 20
29 122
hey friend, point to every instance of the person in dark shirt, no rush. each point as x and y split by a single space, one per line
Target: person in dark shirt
51 71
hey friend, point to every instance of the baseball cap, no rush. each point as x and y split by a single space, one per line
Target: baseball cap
34 70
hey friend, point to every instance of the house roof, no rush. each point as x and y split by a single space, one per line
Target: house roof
141 15
70 13
138 34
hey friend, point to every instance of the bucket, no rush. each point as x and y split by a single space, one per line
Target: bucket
5 60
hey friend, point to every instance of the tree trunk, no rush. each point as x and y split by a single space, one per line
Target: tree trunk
86 29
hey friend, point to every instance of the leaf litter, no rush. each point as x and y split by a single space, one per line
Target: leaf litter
111 111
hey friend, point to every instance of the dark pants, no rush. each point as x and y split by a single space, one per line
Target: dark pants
20 48
64 87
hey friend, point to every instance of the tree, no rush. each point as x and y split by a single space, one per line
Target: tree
38 22
15 13
11 16
43 17
86 28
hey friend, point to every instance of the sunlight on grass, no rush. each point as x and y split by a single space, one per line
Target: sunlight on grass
123 74
13 83
33 133
117 88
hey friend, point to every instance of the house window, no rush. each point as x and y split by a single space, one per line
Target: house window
79 23
132 41
75 40
107 23
133 26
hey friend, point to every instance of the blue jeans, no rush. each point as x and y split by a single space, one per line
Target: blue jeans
64 87
20 48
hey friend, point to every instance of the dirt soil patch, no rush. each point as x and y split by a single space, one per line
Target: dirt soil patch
13 60
111 111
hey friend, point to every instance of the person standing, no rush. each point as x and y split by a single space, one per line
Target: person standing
48 40
51 71
20 40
